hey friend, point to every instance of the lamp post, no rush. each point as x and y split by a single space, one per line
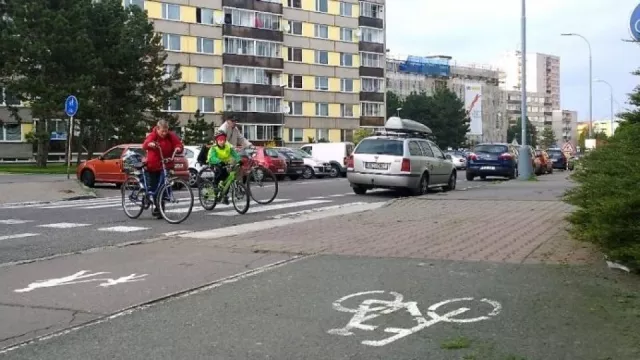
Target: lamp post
590 82
525 167
610 102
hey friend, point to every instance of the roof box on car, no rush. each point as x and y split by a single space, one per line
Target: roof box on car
397 126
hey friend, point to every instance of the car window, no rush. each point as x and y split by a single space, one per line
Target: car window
349 149
414 149
271 153
114 153
188 154
380 147
426 149
307 149
493 149
555 154
436 150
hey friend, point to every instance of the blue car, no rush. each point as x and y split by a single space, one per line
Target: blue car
492 160
558 158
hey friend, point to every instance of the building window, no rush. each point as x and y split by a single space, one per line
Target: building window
10 132
371 10
171 12
204 75
8 99
295 4
346 9
321 31
322 5
346 34
322 57
294 54
138 3
372 109
241 103
247 18
295 27
372 84
346 110
205 104
205 46
204 16
346 85
168 71
261 132
371 60
346 59
372 35
322 83
241 46
295 135
322 109
295 82
246 75
171 42
174 104
322 134
346 135
295 108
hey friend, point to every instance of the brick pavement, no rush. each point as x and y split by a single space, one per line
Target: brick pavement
27 190
471 227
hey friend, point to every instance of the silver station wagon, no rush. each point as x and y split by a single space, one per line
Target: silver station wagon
402 157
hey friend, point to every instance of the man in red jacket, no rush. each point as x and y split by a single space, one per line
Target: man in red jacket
160 139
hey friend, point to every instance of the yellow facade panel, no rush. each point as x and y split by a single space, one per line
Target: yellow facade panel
356 110
217 76
285 51
26 130
189 74
188 14
334 7
189 104
308 29
334 59
308 83
334 110
309 5
217 47
355 11
334 84
218 105
356 86
334 33
188 44
334 135
308 133
285 134
154 9
308 56
356 60
308 109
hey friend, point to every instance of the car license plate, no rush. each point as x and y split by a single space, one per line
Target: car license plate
280 170
488 168
376 166
178 166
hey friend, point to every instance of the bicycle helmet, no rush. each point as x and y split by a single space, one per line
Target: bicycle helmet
220 134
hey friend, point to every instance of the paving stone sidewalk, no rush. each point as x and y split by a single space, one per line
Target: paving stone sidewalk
33 188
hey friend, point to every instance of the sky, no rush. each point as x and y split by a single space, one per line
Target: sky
480 32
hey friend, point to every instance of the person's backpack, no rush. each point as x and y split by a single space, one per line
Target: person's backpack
204 153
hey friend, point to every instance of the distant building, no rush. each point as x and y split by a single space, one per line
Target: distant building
565 126
600 126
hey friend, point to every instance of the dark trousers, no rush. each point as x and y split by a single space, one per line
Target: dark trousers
153 180
220 174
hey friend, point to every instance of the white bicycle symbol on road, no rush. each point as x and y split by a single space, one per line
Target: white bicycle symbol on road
372 308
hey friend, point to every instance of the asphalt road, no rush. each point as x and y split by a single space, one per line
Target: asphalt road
42 230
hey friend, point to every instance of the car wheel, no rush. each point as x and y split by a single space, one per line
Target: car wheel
193 177
423 186
308 172
451 185
514 174
470 177
359 190
335 171
87 178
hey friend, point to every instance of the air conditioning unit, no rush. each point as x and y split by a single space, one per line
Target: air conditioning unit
286 109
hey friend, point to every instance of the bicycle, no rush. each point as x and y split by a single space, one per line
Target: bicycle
143 197
207 188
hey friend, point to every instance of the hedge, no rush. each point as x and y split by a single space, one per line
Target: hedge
607 197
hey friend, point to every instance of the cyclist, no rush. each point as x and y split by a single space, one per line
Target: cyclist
221 153
159 139
234 137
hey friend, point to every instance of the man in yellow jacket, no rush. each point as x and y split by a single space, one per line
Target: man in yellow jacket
221 154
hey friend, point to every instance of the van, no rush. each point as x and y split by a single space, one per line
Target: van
333 153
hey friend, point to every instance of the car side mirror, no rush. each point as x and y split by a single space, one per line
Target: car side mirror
101 158
448 157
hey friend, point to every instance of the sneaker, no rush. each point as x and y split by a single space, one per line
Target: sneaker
156 213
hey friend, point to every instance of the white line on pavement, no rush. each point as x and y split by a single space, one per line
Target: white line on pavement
272 207
197 207
63 225
317 198
17 236
123 229
14 221
314 210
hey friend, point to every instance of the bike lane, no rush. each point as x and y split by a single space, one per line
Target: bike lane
339 307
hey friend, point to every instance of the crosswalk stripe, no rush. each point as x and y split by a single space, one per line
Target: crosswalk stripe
14 221
123 229
17 236
197 207
316 209
63 225
86 203
272 207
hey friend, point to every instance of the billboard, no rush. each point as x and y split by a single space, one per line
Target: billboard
473 104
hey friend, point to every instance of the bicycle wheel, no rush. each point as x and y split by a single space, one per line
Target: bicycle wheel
262 180
207 194
240 197
134 193
181 195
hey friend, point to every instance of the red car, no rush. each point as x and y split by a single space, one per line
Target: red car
108 167
268 158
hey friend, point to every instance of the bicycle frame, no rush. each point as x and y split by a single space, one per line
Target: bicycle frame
165 175
230 179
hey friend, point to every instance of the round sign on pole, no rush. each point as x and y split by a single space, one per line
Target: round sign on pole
634 23
71 106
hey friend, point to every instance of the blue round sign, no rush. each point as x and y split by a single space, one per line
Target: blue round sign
634 23
71 106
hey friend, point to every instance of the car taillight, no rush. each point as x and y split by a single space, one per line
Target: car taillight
505 156
406 165
473 157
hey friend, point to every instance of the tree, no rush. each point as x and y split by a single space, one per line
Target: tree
197 130
515 132
632 116
547 138
360 134
393 104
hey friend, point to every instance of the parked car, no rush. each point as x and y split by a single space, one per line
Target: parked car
403 158
295 163
191 154
558 158
543 164
459 159
109 167
312 167
334 153
268 158
492 159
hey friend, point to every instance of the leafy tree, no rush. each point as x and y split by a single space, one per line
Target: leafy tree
515 132
582 137
632 116
393 103
360 134
547 138
197 130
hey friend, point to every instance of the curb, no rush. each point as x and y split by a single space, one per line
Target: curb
90 194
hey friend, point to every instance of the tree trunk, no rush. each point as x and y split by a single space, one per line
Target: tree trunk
43 144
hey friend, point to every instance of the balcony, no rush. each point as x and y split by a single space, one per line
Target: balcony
262 6
371 96
372 121
252 89
371 72
257 118
252 33
371 22
371 47
253 61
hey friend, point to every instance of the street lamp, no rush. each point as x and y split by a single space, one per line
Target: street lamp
525 167
590 82
611 102
398 111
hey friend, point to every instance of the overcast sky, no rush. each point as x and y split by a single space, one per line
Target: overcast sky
474 31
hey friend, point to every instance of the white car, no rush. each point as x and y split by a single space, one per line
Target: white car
191 153
313 166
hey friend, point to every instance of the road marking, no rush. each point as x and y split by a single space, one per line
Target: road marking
317 198
177 232
78 204
123 229
372 308
82 276
272 207
63 225
17 236
274 223
197 208
14 221
314 210
339 195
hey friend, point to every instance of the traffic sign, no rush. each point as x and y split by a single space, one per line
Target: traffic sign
568 147
634 23
71 106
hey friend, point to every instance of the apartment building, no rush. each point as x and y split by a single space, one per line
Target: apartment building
565 126
407 74
13 144
290 70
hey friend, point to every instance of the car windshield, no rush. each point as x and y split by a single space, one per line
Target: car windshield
380 147
271 153
555 154
300 153
493 149
291 153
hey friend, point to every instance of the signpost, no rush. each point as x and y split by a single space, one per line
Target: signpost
634 23
71 109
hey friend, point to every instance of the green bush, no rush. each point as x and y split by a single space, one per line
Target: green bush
607 197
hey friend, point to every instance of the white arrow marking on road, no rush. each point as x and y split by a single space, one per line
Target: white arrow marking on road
123 279
80 277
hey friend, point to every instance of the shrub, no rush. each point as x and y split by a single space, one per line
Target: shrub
607 197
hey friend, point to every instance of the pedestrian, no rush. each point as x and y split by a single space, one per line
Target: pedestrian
159 139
